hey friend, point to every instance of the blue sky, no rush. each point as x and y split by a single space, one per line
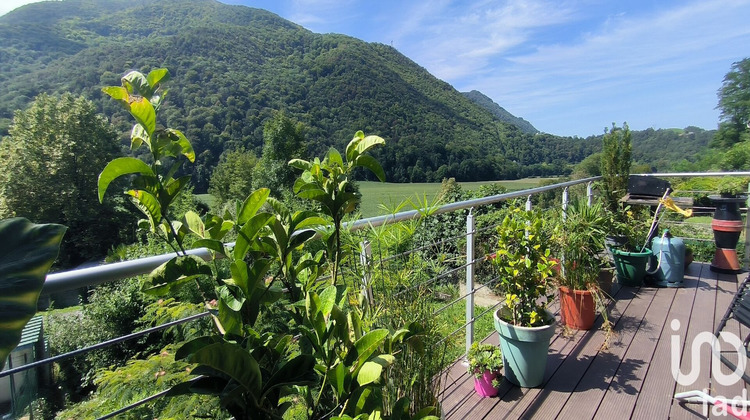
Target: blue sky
568 67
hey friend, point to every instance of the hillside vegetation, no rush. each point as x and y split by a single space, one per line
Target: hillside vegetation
233 66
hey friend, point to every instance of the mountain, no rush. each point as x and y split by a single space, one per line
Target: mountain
233 66
485 102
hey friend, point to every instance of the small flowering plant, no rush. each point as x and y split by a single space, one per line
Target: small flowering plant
525 267
484 357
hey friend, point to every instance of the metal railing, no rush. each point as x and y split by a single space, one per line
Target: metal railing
62 281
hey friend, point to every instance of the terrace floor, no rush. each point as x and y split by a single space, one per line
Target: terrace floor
632 377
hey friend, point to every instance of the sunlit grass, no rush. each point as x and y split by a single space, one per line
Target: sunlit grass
390 194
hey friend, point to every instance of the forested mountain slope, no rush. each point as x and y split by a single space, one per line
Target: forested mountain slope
487 103
233 66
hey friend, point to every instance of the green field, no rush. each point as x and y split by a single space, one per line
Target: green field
382 197
376 195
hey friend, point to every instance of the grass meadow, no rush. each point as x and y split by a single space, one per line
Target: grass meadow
382 197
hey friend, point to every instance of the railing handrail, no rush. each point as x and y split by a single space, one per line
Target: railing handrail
91 276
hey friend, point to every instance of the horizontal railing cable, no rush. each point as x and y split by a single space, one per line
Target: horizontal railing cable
466 324
102 344
438 277
462 297
441 275
141 402
484 229
421 248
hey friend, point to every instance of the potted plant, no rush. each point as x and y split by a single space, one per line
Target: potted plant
727 223
485 362
630 257
580 238
732 187
524 324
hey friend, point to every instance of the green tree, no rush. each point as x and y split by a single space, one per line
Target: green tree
615 165
734 103
284 140
232 178
48 170
588 167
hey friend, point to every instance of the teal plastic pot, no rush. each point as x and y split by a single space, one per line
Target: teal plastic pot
631 266
525 351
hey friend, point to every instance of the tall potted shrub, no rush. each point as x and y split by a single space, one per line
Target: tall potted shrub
580 238
615 169
524 324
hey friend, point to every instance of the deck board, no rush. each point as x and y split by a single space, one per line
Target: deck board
584 401
554 395
701 321
630 379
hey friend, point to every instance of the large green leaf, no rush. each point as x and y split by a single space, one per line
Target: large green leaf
119 167
249 233
252 204
230 320
372 369
368 143
339 379
327 299
300 164
367 345
148 204
143 112
183 144
372 164
27 251
174 186
212 244
138 135
195 223
232 360
118 93
136 83
298 371
174 273
334 158
157 76
196 344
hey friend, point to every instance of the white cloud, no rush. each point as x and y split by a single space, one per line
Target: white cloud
462 39
632 68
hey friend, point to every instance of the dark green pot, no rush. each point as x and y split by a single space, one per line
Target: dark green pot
631 266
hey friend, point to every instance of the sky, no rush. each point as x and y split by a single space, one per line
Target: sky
568 67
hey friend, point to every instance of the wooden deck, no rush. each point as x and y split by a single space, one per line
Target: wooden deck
632 377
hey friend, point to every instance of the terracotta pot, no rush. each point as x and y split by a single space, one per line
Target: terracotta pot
577 308
483 386
727 226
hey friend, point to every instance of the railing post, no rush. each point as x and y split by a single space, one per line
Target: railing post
469 280
565 200
365 256
528 203
590 193
746 260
